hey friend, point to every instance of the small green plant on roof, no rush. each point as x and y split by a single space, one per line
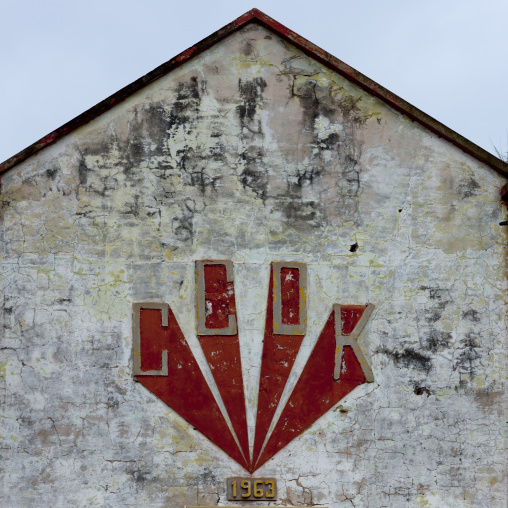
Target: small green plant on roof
503 155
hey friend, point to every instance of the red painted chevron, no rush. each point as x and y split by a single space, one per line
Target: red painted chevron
316 390
279 354
222 352
185 389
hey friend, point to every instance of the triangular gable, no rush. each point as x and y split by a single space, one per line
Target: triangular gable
307 47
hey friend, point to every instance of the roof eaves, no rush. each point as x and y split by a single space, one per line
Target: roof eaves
254 15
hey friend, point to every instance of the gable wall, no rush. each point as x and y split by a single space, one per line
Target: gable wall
255 153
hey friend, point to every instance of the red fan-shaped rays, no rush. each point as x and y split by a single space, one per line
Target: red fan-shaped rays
164 363
279 352
184 389
316 390
222 351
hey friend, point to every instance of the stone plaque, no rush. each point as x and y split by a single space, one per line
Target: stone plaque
251 489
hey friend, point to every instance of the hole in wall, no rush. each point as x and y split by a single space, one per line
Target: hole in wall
353 247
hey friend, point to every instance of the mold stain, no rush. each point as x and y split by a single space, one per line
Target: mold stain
468 187
251 99
185 109
254 173
408 358
470 355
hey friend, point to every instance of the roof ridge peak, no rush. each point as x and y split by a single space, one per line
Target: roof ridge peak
298 41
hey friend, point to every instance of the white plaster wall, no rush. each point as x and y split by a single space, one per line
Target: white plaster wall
255 153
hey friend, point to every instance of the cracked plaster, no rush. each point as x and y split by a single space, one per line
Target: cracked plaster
256 153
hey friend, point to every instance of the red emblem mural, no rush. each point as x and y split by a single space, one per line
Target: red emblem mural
165 365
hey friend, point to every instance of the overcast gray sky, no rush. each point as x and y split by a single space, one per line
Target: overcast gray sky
60 57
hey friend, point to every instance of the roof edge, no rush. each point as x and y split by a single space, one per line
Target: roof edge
255 15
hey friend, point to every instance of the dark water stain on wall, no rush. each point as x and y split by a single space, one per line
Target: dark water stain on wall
471 315
432 338
109 165
337 151
254 172
185 109
471 353
437 340
468 187
192 160
97 176
136 149
192 164
52 171
183 223
408 358
251 98
302 214
156 122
